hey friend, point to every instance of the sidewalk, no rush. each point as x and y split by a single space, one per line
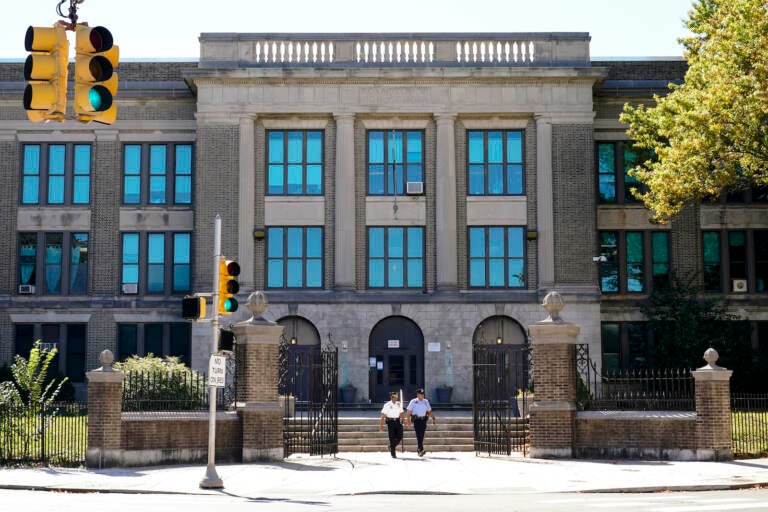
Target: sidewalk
376 473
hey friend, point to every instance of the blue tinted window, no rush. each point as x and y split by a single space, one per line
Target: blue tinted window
78 263
31 181
275 243
295 147
276 155
28 258
609 269
181 262
495 162
156 263
496 257
395 257
132 175
130 258
56 159
294 257
314 147
295 162
157 178
394 158
82 169
606 172
183 185
295 242
54 251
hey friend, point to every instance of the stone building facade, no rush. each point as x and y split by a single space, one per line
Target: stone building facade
404 196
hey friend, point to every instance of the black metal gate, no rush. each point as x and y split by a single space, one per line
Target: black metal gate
500 407
308 387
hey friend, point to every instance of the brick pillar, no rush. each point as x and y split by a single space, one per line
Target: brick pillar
257 372
713 409
553 411
105 401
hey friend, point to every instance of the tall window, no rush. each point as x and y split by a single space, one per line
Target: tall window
159 339
56 174
735 261
395 157
157 174
147 254
395 257
59 267
496 257
634 260
495 162
295 257
295 160
69 339
614 161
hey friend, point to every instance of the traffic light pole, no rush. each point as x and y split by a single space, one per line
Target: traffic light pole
212 479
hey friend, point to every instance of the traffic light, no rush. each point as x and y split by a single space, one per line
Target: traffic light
95 78
193 308
228 286
45 96
226 340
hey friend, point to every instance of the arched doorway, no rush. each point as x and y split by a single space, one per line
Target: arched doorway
503 335
301 338
396 358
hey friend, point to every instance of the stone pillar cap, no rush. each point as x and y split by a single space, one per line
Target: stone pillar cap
257 303
711 356
553 303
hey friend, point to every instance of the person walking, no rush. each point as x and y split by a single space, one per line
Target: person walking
419 411
392 412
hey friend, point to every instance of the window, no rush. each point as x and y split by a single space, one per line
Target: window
731 258
157 174
495 162
146 254
496 257
53 263
395 157
56 174
630 258
625 346
295 163
159 339
614 186
295 257
395 257
69 339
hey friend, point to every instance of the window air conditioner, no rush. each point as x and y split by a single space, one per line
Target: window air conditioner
26 288
739 285
414 188
130 288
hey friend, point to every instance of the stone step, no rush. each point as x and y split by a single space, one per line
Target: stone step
410 449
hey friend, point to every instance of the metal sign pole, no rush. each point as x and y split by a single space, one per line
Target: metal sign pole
212 479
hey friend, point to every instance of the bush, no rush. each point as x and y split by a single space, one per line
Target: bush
161 384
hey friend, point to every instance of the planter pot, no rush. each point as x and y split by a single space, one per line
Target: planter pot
347 395
443 395
288 403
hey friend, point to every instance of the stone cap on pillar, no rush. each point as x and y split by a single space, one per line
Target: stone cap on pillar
553 303
257 329
257 303
106 373
553 329
711 371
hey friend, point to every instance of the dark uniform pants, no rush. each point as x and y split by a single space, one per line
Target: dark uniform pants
395 431
420 426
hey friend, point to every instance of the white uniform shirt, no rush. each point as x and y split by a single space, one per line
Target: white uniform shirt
419 407
391 410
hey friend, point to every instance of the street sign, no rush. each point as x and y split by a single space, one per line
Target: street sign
217 371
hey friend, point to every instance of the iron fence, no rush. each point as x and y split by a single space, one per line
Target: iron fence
173 391
54 434
666 389
749 425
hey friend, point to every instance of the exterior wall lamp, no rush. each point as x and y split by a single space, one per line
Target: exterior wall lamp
259 233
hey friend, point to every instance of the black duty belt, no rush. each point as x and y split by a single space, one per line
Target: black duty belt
389 420
419 417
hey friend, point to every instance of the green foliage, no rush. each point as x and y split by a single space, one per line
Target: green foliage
710 134
31 385
685 323
154 383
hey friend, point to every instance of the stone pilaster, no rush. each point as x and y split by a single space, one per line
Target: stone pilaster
105 401
545 202
445 206
257 372
247 201
713 409
554 375
345 201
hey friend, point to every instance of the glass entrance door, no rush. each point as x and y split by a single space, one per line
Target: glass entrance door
396 359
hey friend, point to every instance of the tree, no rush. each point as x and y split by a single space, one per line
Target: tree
685 324
710 134
31 386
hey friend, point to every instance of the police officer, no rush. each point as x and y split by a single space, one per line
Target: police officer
392 412
419 411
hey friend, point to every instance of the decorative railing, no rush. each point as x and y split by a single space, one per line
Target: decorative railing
394 50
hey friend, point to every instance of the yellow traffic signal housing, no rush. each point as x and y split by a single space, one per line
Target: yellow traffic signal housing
193 308
96 58
45 95
228 286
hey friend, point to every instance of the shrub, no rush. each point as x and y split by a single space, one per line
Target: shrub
154 383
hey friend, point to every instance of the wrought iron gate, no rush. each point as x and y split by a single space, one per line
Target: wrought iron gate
500 407
308 387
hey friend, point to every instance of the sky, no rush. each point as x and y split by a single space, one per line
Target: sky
169 29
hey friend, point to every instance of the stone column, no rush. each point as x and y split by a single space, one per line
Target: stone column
247 201
445 204
105 404
544 202
261 415
553 410
713 409
345 201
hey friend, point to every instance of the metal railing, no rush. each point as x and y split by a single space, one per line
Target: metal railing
171 391
749 425
666 389
54 434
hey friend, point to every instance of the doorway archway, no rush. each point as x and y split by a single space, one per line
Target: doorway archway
396 358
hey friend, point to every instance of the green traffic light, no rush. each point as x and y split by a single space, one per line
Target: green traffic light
230 305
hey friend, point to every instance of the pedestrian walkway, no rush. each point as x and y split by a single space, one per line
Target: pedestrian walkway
377 473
